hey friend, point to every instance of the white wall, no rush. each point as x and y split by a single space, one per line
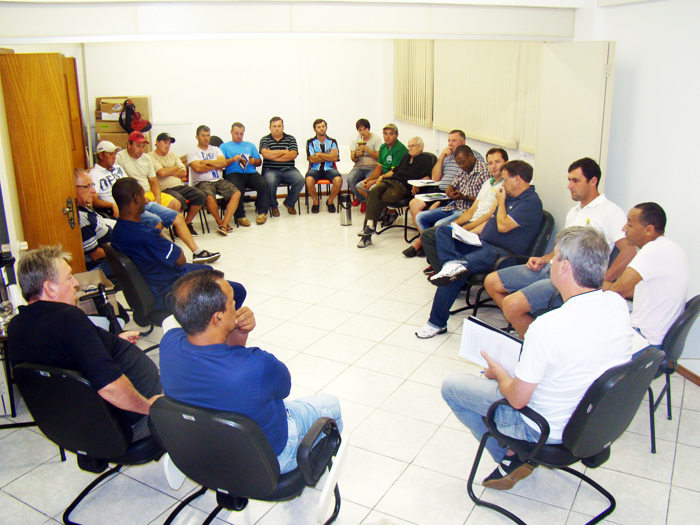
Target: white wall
655 115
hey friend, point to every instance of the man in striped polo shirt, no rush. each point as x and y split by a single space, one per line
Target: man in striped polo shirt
278 151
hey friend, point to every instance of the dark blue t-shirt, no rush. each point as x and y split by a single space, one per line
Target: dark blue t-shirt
526 210
247 381
153 255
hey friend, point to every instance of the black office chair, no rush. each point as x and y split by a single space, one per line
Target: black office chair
136 290
537 248
672 346
72 415
228 452
401 208
601 417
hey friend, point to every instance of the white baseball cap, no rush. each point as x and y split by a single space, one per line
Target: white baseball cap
106 146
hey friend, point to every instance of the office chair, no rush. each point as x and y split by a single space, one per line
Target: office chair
229 453
602 416
672 347
72 415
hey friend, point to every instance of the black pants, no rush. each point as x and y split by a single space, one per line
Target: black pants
255 182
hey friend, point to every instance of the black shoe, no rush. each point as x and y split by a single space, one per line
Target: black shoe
389 219
420 253
508 472
205 257
331 207
429 271
314 208
193 232
410 252
365 241
367 230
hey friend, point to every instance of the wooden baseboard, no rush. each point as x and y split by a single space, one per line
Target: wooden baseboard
690 376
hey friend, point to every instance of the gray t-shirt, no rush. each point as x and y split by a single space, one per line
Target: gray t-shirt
366 160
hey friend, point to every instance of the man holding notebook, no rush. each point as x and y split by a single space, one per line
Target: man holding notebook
561 356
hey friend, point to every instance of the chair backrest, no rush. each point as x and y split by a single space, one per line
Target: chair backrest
674 340
70 413
134 286
610 404
433 158
539 244
223 451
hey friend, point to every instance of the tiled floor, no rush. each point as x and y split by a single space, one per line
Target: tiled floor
343 320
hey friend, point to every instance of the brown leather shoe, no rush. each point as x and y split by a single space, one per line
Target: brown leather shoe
261 218
243 222
275 212
291 209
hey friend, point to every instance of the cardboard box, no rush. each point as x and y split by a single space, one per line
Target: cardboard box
120 139
108 126
88 282
109 108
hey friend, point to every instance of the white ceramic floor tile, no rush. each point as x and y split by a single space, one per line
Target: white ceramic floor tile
425 497
393 435
691 396
638 500
391 309
368 475
526 509
292 336
665 429
313 372
391 360
379 518
689 427
338 347
418 295
685 472
631 454
306 293
14 511
449 452
279 308
684 506
248 516
367 327
405 337
348 301
353 414
419 401
435 369
29 449
321 317
363 386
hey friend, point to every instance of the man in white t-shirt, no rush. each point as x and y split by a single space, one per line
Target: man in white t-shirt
206 162
523 290
564 352
657 277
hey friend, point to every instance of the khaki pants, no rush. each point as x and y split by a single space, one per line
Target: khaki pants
386 192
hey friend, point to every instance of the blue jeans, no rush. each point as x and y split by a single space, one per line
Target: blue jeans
239 291
301 415
534 285
355 177
328 174
470 397
437 217
292 177
477 259
156 213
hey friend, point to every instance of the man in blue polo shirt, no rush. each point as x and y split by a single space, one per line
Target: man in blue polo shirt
242 174
160 261
510 230
322 152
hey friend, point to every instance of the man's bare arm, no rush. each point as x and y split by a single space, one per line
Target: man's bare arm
122 394
625 284
269 154
625 255
503 221
517 392
155 189
181 260
437 169
467 215
173 171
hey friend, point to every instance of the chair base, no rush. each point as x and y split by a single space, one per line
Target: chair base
86 491
405 226
654 404
512 516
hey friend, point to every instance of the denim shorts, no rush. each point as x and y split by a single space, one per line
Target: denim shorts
156 213
535 286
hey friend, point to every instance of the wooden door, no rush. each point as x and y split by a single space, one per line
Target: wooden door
38 120
75 117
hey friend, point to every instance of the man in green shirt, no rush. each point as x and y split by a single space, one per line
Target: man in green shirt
390 154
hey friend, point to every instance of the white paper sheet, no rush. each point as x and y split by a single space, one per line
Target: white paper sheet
501 347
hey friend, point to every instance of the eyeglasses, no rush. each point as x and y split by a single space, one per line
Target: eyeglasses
89 186
413 146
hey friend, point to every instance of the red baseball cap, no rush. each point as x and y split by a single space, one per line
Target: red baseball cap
137 136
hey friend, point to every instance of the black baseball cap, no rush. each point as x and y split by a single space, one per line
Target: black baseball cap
165 136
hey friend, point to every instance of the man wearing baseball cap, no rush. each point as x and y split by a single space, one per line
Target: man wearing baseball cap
171 176
390 154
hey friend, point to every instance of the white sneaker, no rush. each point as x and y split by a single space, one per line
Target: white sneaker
451 271
429 331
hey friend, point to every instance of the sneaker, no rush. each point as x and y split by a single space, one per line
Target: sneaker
263 217
508 472
390 219
314 208
429 270
410 252
363 207
355 203
205 257
243 222
291 209
365 241
451 271
429 331
275 213
222 230
367 230
331 207
193 232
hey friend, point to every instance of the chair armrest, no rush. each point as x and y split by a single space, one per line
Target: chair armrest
526 411
312 457
518 257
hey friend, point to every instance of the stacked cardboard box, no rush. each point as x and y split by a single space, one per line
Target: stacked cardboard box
107 110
